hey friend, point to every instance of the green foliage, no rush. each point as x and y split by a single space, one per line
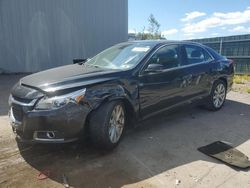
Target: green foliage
148 36
153 30
154 25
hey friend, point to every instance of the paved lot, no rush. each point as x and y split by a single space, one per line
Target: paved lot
162 152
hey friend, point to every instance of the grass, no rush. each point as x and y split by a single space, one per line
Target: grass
241 83
248 90
241 79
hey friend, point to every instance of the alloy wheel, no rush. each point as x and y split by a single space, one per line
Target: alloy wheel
116 123
219 95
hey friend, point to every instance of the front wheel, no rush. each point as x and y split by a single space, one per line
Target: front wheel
217 96
107 124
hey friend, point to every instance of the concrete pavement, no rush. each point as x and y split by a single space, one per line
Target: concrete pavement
162 152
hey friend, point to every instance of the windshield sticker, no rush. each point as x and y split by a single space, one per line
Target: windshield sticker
140 49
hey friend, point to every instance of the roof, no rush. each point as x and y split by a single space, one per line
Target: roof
158 42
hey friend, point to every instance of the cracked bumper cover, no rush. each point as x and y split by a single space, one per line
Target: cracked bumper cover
66 123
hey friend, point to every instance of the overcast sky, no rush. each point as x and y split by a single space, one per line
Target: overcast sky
186 19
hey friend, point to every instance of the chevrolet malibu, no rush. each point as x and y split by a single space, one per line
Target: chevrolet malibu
129 81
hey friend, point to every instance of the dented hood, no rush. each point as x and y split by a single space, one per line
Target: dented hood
68 76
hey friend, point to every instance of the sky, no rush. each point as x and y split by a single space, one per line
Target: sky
188 19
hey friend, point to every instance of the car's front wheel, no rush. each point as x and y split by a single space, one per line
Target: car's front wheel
217 96
107 124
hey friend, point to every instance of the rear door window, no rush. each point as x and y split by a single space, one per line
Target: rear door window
195 55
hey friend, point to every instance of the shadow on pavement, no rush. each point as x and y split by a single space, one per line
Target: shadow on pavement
161 143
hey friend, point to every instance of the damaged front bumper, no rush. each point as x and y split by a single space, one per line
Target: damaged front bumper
48 126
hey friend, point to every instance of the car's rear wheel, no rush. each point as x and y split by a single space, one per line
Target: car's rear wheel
107 124
217 96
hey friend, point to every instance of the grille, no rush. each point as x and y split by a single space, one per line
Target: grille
17 113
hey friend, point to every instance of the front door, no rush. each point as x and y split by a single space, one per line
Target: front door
160 80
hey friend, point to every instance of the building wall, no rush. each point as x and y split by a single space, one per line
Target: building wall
41 34
233 47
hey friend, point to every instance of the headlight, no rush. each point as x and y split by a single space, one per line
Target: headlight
56 102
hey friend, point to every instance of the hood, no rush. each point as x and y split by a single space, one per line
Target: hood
68 76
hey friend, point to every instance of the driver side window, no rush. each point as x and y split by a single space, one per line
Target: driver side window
167 57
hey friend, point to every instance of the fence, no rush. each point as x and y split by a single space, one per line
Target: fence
236 48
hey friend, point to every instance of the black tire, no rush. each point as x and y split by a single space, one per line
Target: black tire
211 104
99 125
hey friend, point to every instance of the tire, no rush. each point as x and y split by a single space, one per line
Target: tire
217 96
105 130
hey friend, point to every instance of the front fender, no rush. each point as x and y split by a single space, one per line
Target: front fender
97 95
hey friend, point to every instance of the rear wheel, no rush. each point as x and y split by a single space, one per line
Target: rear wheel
217 96
107 125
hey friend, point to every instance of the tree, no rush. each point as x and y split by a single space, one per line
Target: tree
154 25
153 30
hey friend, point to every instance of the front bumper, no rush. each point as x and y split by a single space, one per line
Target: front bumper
48 126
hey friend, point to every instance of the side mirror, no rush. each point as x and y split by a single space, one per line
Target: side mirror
154 68
79 61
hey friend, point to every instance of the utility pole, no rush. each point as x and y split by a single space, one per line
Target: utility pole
220 46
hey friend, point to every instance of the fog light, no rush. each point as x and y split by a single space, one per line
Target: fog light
50 135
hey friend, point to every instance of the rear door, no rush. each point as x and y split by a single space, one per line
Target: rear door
196 64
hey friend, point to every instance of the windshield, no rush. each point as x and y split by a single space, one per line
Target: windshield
121 56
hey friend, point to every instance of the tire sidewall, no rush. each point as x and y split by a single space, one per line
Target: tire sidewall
99 125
